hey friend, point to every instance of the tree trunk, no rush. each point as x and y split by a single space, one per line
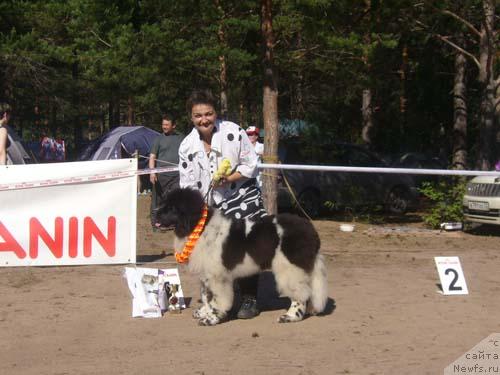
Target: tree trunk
490 92
299 109
111 111
459 158
486 59
270 109
53 119
366 106
102 120
91 127
223 87
299 98
497 119
486 130
402 95
130 111
77 130
221 35
366 111
241 114
114 112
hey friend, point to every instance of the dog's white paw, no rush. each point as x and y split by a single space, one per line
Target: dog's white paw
209 321
200 312
286 319
212 318
289 319
197 313
294 314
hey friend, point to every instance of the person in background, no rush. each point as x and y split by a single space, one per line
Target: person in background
4 137
51 149
253 135
236 195
164 153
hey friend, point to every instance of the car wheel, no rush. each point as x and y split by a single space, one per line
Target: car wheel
310 201
398 201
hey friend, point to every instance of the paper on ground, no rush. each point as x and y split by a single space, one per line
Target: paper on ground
144 285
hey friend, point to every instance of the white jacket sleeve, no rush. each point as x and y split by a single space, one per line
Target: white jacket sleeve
186 166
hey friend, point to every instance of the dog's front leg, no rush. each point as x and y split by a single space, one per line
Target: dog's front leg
219 301
205 295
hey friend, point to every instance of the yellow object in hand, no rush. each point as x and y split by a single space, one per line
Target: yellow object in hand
223 170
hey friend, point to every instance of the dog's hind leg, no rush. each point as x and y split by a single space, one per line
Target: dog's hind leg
297 289
294 283
295 313
220 293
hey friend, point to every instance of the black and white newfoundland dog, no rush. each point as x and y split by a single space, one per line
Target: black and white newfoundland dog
228 249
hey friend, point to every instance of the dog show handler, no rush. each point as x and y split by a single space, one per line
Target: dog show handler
237 195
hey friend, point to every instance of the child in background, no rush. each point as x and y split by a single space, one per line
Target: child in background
253 135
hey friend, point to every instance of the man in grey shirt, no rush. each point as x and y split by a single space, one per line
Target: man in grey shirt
164 153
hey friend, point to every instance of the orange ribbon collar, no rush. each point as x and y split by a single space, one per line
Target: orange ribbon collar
183 257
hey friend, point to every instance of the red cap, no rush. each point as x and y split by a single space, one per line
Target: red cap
252 130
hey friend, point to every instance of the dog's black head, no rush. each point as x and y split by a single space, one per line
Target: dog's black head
182 209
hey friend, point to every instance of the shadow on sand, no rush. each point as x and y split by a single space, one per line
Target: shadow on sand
484 230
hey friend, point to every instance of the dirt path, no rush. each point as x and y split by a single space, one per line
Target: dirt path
385 315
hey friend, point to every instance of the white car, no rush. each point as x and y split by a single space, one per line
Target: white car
481 203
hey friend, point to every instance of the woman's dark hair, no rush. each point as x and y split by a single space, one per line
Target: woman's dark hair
200 97
5 108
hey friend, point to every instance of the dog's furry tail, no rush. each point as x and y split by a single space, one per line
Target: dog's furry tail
319 286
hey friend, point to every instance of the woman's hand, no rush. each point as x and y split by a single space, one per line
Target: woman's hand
153 178
228 179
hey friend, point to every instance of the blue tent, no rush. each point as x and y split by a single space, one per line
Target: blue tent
121 142
16 153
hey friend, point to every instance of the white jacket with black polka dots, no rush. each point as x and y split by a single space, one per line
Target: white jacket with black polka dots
196 167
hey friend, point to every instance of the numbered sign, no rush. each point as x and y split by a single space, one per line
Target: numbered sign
451 275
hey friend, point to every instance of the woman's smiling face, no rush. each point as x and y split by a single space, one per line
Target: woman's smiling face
203 117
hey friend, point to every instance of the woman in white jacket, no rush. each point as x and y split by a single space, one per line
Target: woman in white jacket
203 150
237 194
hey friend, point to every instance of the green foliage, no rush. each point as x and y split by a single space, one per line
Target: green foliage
81 62
446 200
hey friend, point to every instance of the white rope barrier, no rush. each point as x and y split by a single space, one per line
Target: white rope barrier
325 168
298 167
90 178
157 170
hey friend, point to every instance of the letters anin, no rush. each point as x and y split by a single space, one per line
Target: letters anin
55 243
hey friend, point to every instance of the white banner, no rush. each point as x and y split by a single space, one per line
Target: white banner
87 220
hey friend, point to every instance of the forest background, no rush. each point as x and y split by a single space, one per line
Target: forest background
394 75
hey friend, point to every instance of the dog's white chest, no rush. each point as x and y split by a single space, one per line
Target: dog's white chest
207 254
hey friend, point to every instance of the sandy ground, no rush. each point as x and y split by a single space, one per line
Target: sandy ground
385 315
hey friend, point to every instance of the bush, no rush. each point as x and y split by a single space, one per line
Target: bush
446 196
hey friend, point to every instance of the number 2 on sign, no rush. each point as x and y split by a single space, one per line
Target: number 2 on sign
451 275
455 279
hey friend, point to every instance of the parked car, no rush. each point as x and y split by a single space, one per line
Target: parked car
481 202
419 160
397 193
